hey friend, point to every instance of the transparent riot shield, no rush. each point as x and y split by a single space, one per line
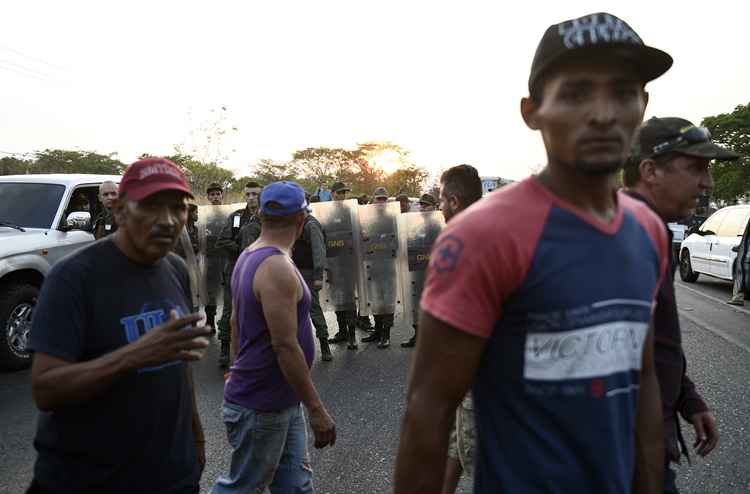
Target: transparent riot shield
343 282
211 220
197 287
418 232
381 254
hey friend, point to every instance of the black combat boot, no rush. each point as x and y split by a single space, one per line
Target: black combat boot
352 337
385 337
363 322
211 317
342 335
375 335
325 350
411 342
224 355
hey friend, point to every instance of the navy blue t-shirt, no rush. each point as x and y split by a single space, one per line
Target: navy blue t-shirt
564 302
137 435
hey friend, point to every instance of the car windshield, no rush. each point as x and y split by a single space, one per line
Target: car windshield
29 205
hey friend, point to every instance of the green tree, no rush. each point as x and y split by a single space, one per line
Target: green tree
732 178
66 161
409 180
15 166
267 171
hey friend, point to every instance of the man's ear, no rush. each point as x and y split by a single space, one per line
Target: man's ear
529 113
647 169
455 203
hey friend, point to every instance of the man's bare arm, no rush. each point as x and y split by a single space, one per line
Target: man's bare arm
57 383
445 363
649 436
278 289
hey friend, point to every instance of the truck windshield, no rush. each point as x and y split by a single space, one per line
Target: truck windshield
29 205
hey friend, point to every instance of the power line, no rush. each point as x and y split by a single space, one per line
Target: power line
35 59
24 68
25 74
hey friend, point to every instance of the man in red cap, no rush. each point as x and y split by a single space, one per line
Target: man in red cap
112 334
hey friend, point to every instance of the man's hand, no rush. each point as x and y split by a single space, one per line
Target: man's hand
169 341
706 432
323 426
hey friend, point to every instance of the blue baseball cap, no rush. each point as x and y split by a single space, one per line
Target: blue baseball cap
282 199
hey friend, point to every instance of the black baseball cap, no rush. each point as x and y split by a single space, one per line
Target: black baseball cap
340 187
428 199
603 33
677 135
214 186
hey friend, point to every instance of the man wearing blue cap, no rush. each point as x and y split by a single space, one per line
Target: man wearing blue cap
273 346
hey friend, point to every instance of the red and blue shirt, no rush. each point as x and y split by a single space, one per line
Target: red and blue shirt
564 302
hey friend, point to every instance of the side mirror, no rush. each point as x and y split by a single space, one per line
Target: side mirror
736 248
78 220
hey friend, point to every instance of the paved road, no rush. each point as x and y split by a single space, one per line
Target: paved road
365 390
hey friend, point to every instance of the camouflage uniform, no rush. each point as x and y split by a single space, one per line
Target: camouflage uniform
229 242
462 443
104 224
309 255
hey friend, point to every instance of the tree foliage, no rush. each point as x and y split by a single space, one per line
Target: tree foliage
64 161
731 178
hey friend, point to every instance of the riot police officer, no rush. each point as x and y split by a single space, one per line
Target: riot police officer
381 245
230 242
309 255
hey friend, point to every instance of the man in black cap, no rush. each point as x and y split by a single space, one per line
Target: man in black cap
383 322
669 171
309 255
427 203
241 229
403 200
345 319
541 294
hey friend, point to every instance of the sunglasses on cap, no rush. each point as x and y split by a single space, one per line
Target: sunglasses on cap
688 135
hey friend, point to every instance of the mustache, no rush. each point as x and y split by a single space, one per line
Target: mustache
164 232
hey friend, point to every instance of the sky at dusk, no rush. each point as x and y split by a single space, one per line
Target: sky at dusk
441 79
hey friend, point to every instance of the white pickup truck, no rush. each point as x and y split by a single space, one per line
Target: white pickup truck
40 222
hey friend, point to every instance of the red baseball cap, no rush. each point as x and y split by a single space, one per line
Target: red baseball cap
151 175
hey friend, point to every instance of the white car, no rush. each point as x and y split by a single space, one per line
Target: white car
39 224
712 250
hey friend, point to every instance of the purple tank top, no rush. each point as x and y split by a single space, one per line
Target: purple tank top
257 381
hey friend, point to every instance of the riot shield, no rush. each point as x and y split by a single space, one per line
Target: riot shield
381 254
343 283
211 219
197 287
418 232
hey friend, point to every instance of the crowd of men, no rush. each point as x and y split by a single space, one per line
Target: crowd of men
549 356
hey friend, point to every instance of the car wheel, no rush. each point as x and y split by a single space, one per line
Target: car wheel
16 310
686 268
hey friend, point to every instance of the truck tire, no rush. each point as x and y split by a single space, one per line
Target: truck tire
686 268
16 310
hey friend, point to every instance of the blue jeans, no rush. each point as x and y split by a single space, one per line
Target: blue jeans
269 451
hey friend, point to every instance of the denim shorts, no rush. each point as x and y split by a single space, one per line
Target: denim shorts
269 451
